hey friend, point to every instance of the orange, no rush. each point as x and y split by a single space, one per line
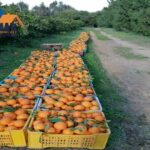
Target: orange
43 114
49 91
70 123
62 112
79 97
24 89
58 104
19 123
68 131
99 118
51 130
86 104
49 100
20 111
94 130
23 101
94 108
80 129
5 121
79 120
23 116
2 104
11 102
2 128
88 98
39 126
79 107
77 114
60 125
11 115
3 89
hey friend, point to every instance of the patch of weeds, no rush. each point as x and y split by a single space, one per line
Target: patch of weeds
99 35
128 53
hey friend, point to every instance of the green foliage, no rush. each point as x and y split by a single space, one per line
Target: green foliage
126 15
42 21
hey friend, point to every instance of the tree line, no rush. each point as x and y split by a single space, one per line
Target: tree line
45 20
123 15
126 15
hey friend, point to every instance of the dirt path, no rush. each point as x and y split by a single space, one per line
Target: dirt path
145 51
132 76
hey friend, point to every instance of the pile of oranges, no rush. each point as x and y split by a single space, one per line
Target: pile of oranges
63 122
19 91
69 105
21 102
30 79
78 45
14 120
70 87
31 76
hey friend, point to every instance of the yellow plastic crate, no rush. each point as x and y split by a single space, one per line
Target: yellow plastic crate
40 140
15 138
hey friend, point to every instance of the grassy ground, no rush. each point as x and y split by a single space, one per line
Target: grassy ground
128 53
11 56
129 36
99 35
112 102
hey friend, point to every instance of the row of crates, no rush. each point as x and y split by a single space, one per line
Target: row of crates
32 139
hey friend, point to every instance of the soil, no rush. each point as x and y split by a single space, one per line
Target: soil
133 78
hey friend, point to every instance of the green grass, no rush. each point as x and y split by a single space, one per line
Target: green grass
99 35
11 56
111 100
129 36
128 53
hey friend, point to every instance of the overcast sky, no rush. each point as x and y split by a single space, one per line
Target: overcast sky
89 5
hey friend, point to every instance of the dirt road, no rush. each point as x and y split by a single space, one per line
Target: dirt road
132 76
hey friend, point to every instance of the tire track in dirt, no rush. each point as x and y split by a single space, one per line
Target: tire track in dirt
145 51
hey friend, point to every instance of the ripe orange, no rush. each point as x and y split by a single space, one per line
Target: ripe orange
79 107
60 125
5 121
94 130
68 131
77 114
39 126
3 89
23 116
2 104
51 130
70 123
80 129
19 123
43 114
49 91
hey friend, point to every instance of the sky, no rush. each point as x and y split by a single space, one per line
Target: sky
88 5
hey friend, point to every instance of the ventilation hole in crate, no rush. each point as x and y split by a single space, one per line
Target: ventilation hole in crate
6 140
